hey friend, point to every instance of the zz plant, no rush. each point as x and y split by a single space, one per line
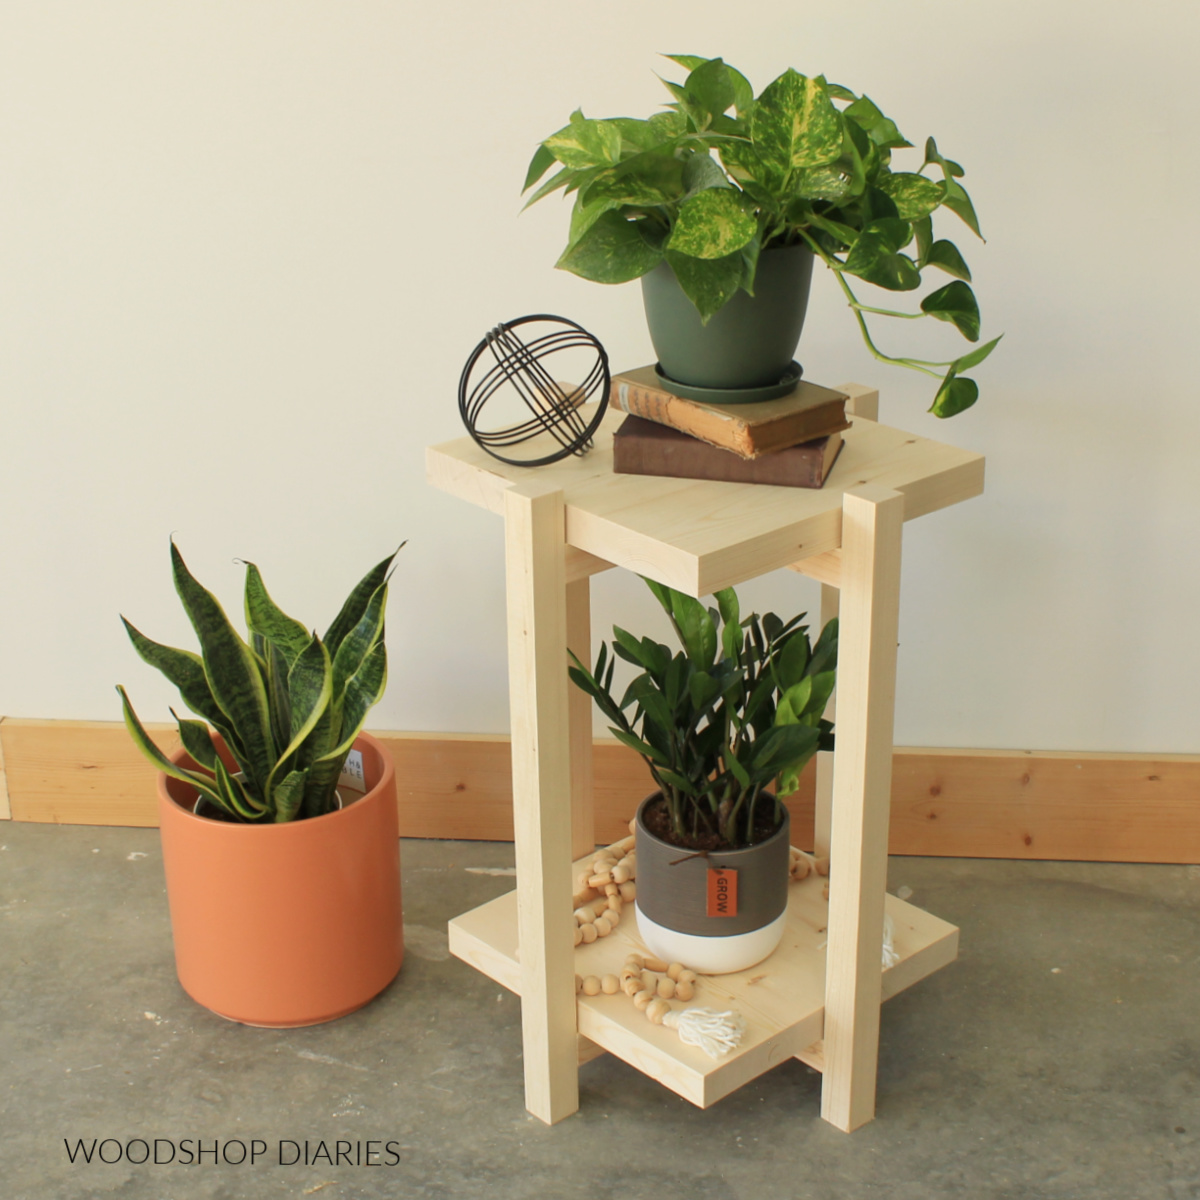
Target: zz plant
807 161
716 722
288 704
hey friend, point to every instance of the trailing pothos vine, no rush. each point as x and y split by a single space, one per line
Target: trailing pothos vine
723 175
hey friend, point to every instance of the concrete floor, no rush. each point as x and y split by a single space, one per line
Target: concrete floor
1059 1057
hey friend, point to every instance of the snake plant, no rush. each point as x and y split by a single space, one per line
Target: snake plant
288 704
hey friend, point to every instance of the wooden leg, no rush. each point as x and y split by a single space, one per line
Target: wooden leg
872 523
830 598
579 714
537 668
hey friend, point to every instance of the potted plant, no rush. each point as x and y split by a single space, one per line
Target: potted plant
739 706
284 892
720 204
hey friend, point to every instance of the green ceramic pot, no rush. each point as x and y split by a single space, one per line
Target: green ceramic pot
749 343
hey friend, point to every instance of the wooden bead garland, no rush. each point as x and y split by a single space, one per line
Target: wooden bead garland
602 889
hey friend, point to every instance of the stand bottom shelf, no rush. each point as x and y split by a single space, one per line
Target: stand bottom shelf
782 999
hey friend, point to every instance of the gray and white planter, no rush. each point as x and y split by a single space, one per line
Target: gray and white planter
681 895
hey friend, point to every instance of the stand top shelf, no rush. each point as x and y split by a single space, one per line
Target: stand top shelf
700 535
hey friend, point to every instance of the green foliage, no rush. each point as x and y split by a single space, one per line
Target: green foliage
708 189
738 706
288 704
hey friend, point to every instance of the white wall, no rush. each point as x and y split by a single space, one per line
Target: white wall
245 248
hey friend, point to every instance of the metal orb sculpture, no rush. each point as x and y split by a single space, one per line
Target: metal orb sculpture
511 368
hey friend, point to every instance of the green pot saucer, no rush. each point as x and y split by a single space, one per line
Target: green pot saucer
754 395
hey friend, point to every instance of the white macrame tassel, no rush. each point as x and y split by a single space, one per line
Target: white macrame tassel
890 957
715 1033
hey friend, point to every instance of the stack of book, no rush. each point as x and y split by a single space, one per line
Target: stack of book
790 442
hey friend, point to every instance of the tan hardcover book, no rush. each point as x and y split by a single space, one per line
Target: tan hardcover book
643 448
749 430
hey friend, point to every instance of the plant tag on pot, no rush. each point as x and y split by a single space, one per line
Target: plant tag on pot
352 773
722 892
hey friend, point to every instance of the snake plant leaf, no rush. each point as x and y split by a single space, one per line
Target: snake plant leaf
231 669
197 741
310 690
945 256
708 283
265 617
612 251
955 303
289 795
185 670
541 162
277 692
794 124
359 641
954 396
913 195
356 603
146 745
234 796
363 690
712 224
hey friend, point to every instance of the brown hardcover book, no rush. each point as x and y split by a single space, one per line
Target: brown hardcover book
749 430
642 448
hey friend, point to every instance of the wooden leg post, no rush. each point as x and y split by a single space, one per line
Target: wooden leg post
579 714
830 598
537 667
872 523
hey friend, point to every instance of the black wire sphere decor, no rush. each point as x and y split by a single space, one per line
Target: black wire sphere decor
516 371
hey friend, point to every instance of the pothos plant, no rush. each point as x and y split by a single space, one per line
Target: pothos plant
723 175
739 706
288 704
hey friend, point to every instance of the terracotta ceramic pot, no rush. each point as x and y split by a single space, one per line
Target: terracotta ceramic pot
291 924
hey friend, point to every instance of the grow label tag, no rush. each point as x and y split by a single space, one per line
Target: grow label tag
352 773
722 892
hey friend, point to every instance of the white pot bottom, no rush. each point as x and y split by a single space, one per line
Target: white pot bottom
711 955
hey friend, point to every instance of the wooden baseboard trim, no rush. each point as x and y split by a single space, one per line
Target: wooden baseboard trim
5 809
964 803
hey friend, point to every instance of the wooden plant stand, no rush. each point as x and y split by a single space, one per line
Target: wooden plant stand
817 997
